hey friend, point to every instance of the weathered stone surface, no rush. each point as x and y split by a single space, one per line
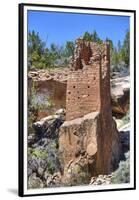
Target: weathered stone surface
120 92
101 180
74 136
92 148
46 75
81 142
89 81
48 127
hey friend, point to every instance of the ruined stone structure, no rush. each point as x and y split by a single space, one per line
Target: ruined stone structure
89 133
88 87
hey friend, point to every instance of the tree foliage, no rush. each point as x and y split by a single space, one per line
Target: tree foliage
125 50
40 56
36 48
120 53
92 37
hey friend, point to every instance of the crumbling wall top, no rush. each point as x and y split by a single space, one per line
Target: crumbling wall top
87 53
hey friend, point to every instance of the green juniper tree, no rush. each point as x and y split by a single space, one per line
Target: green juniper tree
36 49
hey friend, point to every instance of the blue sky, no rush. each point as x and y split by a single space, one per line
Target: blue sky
58 28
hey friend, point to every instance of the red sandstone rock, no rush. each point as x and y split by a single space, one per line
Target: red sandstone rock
84 138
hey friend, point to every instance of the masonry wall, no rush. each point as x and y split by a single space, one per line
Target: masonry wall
83 94
88 87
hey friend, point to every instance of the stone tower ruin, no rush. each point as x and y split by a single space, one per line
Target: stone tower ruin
89 132
88 87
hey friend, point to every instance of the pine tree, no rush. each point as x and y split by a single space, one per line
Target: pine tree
36 49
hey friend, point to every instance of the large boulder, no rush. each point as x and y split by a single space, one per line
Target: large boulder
83 143
48 127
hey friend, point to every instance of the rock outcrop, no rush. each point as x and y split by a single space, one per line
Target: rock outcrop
48 127
120 93
83 144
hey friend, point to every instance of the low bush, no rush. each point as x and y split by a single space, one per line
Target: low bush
122 174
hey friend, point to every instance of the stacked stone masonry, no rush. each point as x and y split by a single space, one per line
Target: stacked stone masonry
89 82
